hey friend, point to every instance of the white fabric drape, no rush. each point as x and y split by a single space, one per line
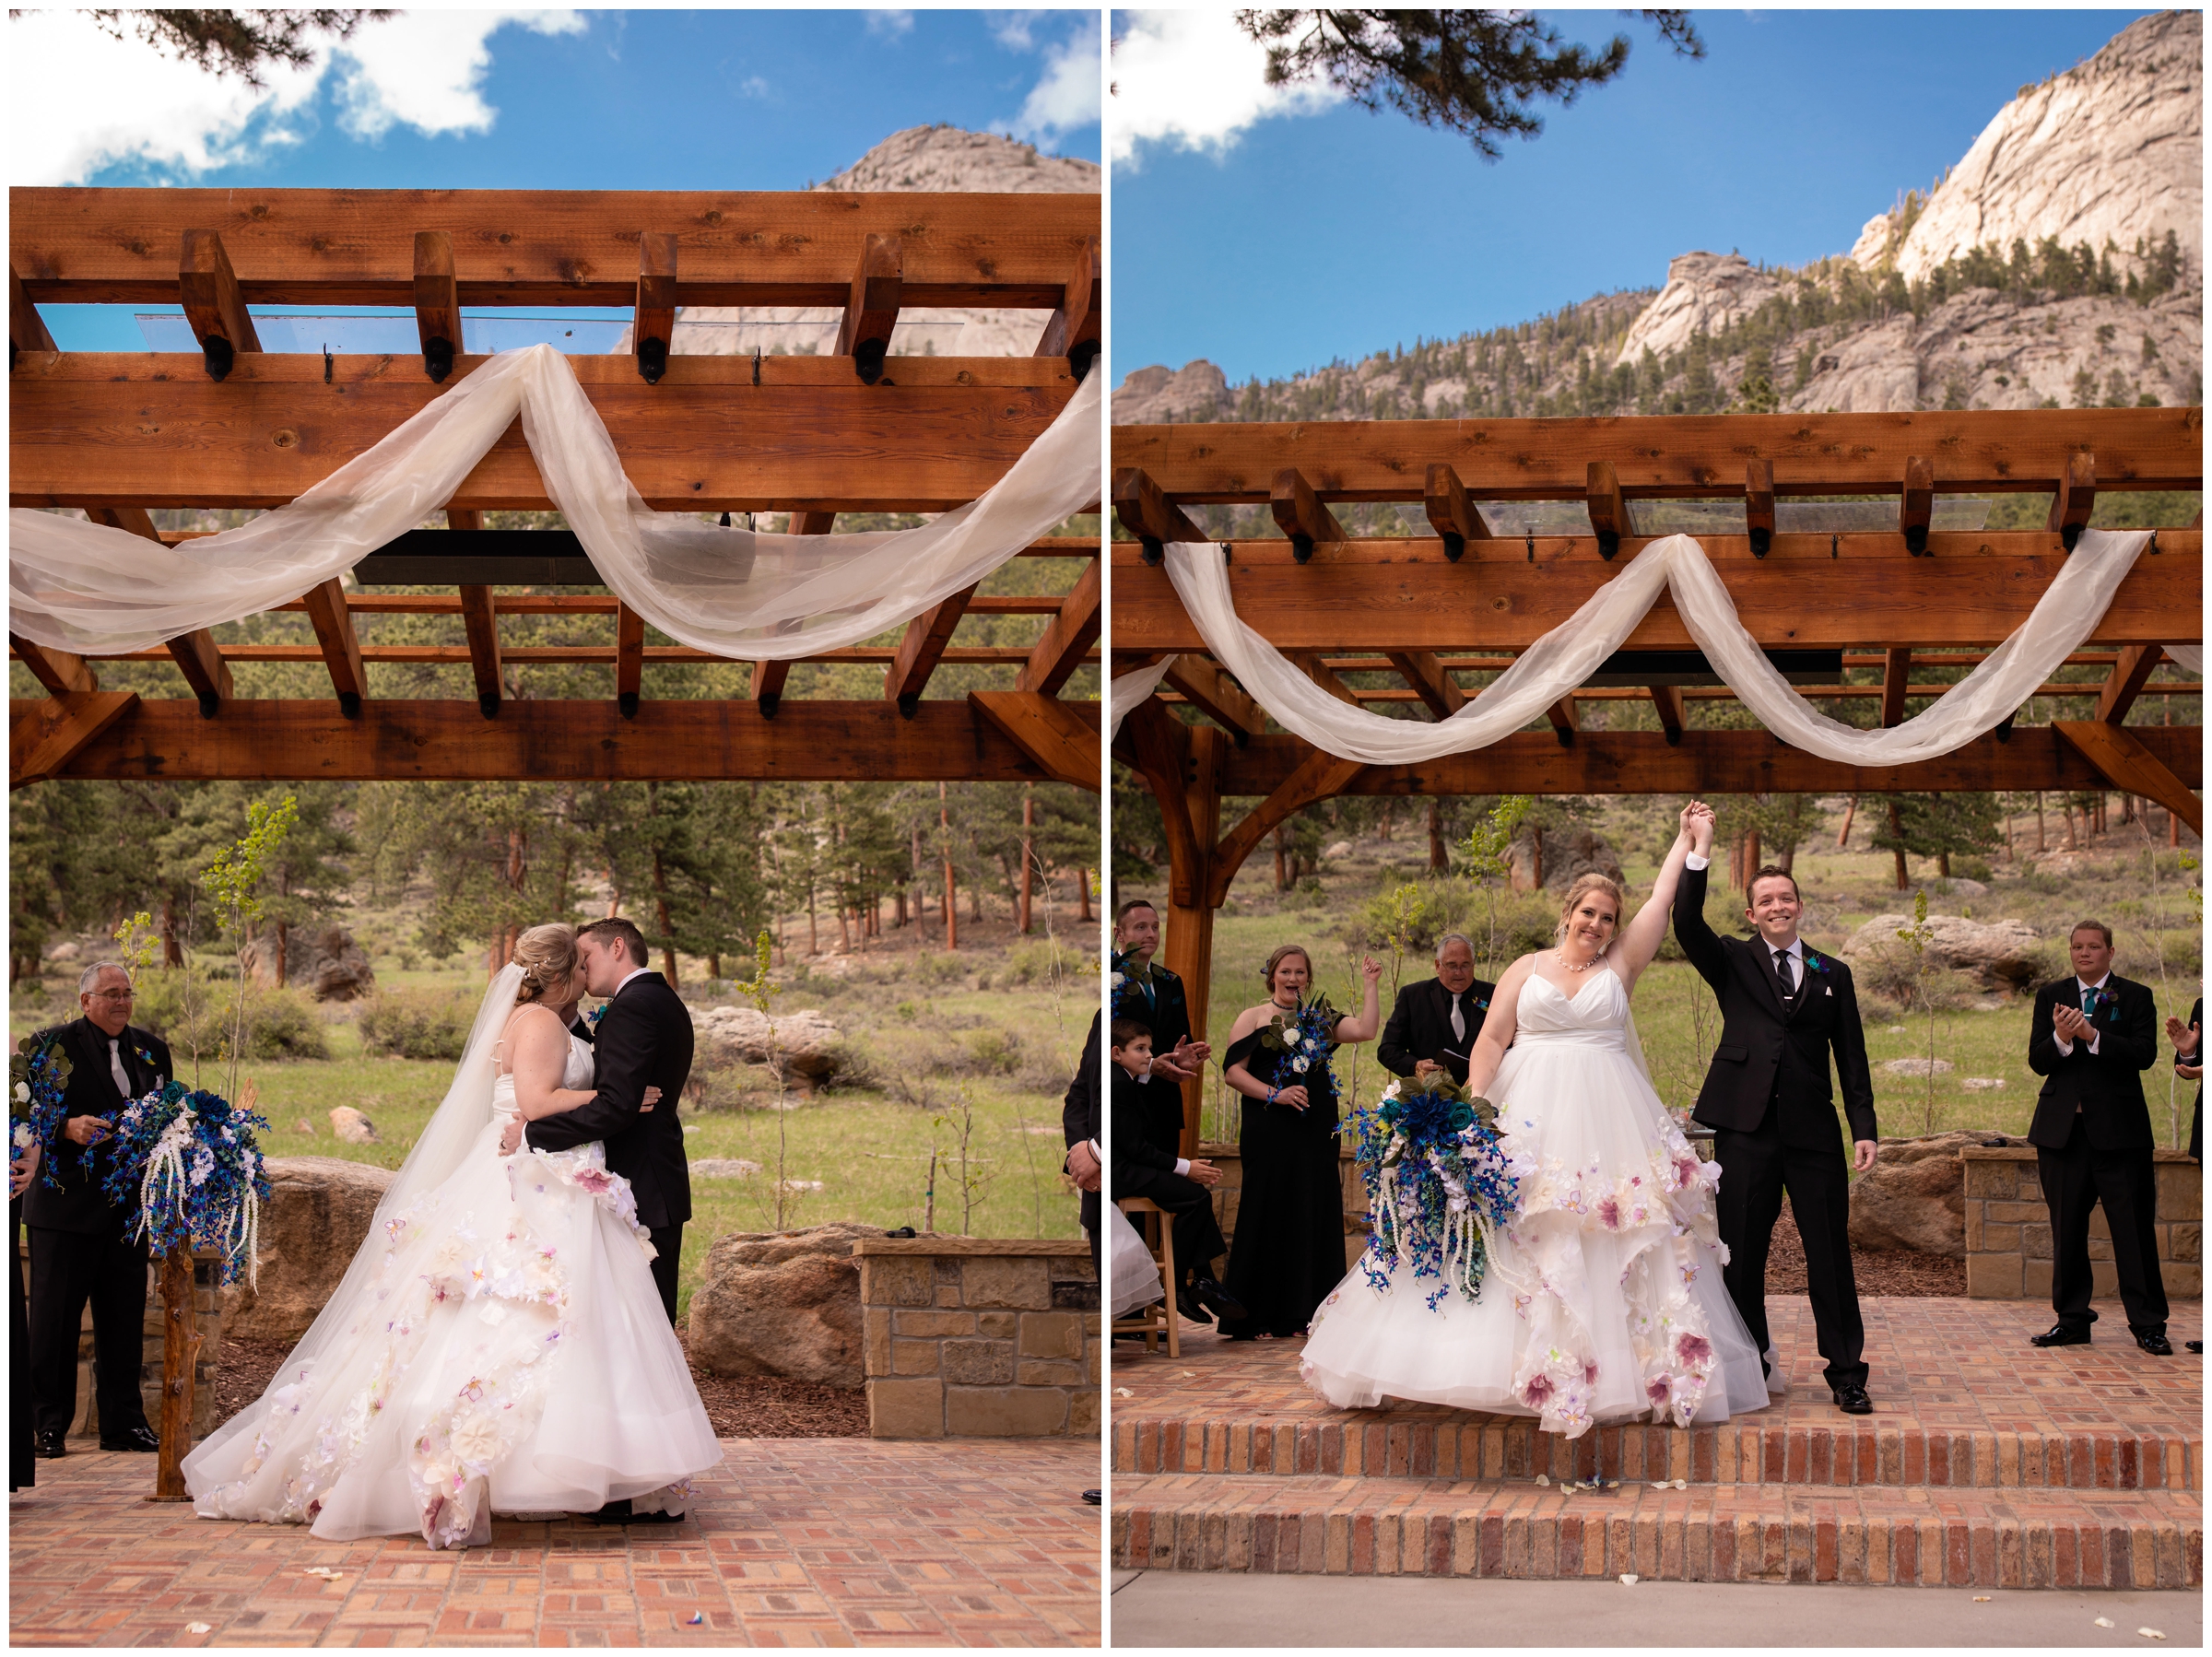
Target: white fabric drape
85 587
2190 657
1558 663
1126 692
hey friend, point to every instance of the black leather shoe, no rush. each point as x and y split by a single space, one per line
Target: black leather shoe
1216 1299
1094 1498
2155 1343
2197 1346
2058 1334
144 1439
53 1446
1852 1401
1187 1308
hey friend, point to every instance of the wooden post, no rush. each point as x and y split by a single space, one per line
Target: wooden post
1029 854
180 1353
1188 950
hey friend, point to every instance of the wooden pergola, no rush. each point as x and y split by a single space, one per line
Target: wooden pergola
121 434
1465 599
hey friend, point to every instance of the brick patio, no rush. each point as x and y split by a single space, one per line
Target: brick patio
815 1542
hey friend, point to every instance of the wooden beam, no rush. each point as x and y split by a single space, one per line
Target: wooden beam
1897 673
1322 674
1916 505
921 650
44 738
1319 776
871 308
1065 747
1667 699
811 523
340 645
26 328
1609 519
1759 505
93 429
1187 946
214 304
437 304
1302 515
1438 691
1148 514
653 322
59 670
1451 511
1071 632
551 247
2129 674
675 740
195 654
2023 451
1216 695
630 659
1401 594
1714 761
768 679
479 616
1565 720
2076 498
1159 747
1076 327
2121 759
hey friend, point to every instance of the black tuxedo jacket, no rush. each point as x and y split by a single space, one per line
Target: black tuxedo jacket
1420 1027
1133 1149
80 1205
1082 1113
643 1040
1167 1014
1773 1051
2108 1084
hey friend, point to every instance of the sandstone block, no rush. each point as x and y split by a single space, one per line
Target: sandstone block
2035 1279
1083 1413
1052 1334
1992 1276
2001 1240
914 1357
2181 1192
978 1363
784 1303
875 1322
2183 1279
2188 1244
997 1326
2035 1241
922 1324
1049 1372
896 1280
1004 1411
1914 1197
1023 1283
906 1409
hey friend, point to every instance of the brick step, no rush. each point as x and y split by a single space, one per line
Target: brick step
2043 1538
1427 1442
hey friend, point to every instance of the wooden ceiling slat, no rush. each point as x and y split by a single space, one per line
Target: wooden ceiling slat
1066 641
927 636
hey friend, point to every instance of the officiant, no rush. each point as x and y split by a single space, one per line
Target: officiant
1434 1023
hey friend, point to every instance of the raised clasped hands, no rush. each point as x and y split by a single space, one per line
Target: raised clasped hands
1698 823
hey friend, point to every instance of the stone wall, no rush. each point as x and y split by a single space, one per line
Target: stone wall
979 1337
206 1273
2009 1227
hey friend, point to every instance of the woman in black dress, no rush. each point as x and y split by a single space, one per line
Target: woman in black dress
1288 1249
22 1452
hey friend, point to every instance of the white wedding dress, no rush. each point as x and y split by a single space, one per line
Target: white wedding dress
1603 1301
498 1344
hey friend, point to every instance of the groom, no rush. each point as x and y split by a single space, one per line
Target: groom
1783 1009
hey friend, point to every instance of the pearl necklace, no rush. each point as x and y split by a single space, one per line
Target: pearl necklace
1585 967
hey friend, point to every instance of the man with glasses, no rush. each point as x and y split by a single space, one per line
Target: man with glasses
79 1249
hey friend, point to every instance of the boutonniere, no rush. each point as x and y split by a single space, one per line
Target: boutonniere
145 1057
2102 999
596 1013
1812 963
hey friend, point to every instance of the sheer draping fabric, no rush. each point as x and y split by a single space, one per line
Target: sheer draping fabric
2189 656
1124 693
1558 663
85 587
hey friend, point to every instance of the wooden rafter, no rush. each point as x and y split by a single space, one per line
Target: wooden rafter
2129 674
437 304
1147 514
1609 519
927 635
214 303
339 645
1916 505
1759 505
1071 632
2076 497
2124 758
676 740
479 616
26 328
1897 673
1437 690
1667 699
1063 745
1302 515
864 335
195 654
1076 326
45 738
652 655
1452 511
59 670
1215 694
770 676
1323 675
652 320
1566 719
630 659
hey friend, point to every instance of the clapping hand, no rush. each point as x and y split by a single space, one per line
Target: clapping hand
1180 1063
2069 1022
2185 1037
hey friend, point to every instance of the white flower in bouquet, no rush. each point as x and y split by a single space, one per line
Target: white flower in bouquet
24 1138
1391 1091
1298 1065
22 1093
1293 1041
1119 979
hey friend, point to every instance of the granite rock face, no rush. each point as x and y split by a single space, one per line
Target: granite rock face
1157 395
319 1211
782 1303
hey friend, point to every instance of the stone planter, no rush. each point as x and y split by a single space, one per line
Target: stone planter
2009 1229
970 1337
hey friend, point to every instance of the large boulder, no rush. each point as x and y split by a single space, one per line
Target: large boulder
1569 855
319 1211
1914 1196
782 1303
805 1041
2000 954
323 960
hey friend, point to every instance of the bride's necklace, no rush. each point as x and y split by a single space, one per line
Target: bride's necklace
1585 967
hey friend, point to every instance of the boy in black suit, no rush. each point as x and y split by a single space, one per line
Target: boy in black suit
2091 1038
1141 1166
79 1249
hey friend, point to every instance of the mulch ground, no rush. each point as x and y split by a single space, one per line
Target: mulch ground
1902 1273
748 1407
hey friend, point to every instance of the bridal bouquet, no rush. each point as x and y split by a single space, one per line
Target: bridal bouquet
1305 1039
38 1076
1437 1182
190 1162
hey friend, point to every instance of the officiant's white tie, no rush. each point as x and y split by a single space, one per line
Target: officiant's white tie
1459 1020
122 1080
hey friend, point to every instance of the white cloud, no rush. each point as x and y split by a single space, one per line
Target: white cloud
890 25
1012 28
1195 80
81 99
752 85
1066 97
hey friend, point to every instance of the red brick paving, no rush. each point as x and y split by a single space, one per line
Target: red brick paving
795 1541
1961 1401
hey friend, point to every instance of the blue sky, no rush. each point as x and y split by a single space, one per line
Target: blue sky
1302 237
629 100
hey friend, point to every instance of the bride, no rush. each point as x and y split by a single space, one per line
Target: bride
1603 1301
498 1342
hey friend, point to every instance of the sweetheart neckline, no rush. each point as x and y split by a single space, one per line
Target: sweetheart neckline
1572 1000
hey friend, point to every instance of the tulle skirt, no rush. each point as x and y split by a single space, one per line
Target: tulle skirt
1603 1299
512 1355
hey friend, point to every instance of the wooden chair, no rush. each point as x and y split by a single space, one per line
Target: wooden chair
1158 1229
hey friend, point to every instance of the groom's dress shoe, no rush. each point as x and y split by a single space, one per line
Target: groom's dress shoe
2155 1343
2058 1334
618 1512
51 1445
1853 1401
138 1437
1217 1300
1187 1308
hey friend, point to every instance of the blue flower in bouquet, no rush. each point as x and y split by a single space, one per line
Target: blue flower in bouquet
1437 1179
190 1162
38 1076
1304 1041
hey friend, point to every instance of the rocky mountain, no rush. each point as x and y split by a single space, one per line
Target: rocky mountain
2058 264
921 157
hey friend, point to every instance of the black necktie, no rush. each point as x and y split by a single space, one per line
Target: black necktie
1781 973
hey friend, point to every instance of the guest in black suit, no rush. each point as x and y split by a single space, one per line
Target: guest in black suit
1083 1125
1784 1010
2092 1037
2189 1064
79 1247
1435 1020
643 1040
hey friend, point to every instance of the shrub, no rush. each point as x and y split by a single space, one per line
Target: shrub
416 1024
280 1024
995 1051
1049 961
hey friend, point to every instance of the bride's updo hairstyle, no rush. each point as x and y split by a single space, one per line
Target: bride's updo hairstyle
1584 885
547 957
1283 952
